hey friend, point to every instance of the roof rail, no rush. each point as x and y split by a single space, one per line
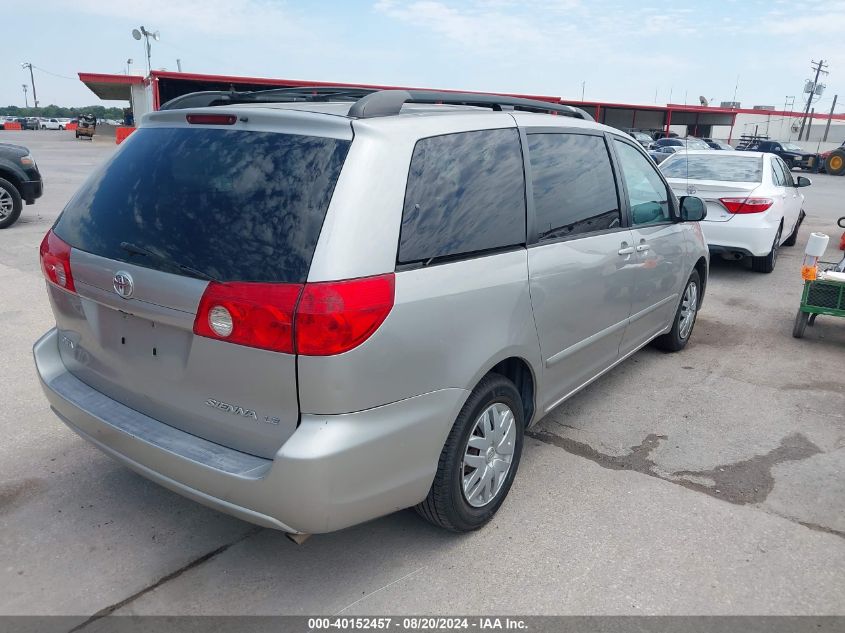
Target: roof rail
388 102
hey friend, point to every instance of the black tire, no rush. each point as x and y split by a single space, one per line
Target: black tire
800 324
812 320
766 263
674 340
17 204
61 127
793 237
446 505
834 164
77 134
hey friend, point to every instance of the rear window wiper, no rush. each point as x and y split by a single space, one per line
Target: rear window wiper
134 249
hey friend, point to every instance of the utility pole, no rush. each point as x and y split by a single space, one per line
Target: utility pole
830 116
583 86
32 82
819 67
25 100
179 67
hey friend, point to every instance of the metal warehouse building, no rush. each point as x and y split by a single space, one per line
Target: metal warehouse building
146 94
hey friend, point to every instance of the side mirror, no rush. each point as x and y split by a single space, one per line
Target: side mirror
803 181
693 209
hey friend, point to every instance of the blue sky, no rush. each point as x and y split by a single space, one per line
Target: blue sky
625 51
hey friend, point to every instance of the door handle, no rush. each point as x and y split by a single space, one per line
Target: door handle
642 248
627 250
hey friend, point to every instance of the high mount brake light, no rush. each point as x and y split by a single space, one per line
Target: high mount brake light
314 319
211 119
55 261
746 205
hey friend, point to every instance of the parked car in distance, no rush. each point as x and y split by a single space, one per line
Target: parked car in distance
336 351
641 137
28 123
20 182
690 142
754 205
658 134
793 155
719 145
52 124
661 153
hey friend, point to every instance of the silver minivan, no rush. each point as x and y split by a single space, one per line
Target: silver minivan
310 309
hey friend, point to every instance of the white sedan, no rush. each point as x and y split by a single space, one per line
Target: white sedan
754 205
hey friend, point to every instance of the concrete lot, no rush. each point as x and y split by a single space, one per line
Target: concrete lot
706 482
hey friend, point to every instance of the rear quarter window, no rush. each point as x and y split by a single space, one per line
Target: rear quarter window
234 205
465 195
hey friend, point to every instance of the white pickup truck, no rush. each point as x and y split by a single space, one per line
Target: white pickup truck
52 124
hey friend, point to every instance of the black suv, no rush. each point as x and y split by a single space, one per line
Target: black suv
792 154
20 181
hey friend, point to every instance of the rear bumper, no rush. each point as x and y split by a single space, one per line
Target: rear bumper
31 190
741 234
333 472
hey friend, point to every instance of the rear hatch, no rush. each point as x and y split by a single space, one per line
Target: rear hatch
174 208
713 176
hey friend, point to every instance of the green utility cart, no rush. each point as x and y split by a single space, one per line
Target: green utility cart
821 296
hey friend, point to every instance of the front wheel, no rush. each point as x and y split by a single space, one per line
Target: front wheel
10 204
676 339
479 461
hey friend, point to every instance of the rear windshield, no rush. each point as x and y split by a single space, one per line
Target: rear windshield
715 167
233 205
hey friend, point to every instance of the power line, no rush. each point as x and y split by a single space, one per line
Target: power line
55 74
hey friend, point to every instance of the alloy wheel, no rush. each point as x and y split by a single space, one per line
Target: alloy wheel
7 204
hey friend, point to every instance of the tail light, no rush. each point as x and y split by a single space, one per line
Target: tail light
314 319
746 205
251 314
55 261
337 316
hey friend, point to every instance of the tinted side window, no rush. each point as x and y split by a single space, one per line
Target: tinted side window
787 174
777 174
574 188
647 193
465 194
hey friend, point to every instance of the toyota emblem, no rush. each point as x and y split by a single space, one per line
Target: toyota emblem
123 284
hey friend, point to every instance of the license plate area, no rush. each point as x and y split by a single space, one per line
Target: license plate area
144 343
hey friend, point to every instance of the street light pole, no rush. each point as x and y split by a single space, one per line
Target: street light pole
25 100
32 82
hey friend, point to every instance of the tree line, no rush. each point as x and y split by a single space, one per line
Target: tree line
55 112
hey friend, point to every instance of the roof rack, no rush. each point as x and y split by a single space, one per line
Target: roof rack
370 102
388 102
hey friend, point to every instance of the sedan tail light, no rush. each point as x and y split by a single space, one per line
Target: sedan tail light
55 261
746 205
314 319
